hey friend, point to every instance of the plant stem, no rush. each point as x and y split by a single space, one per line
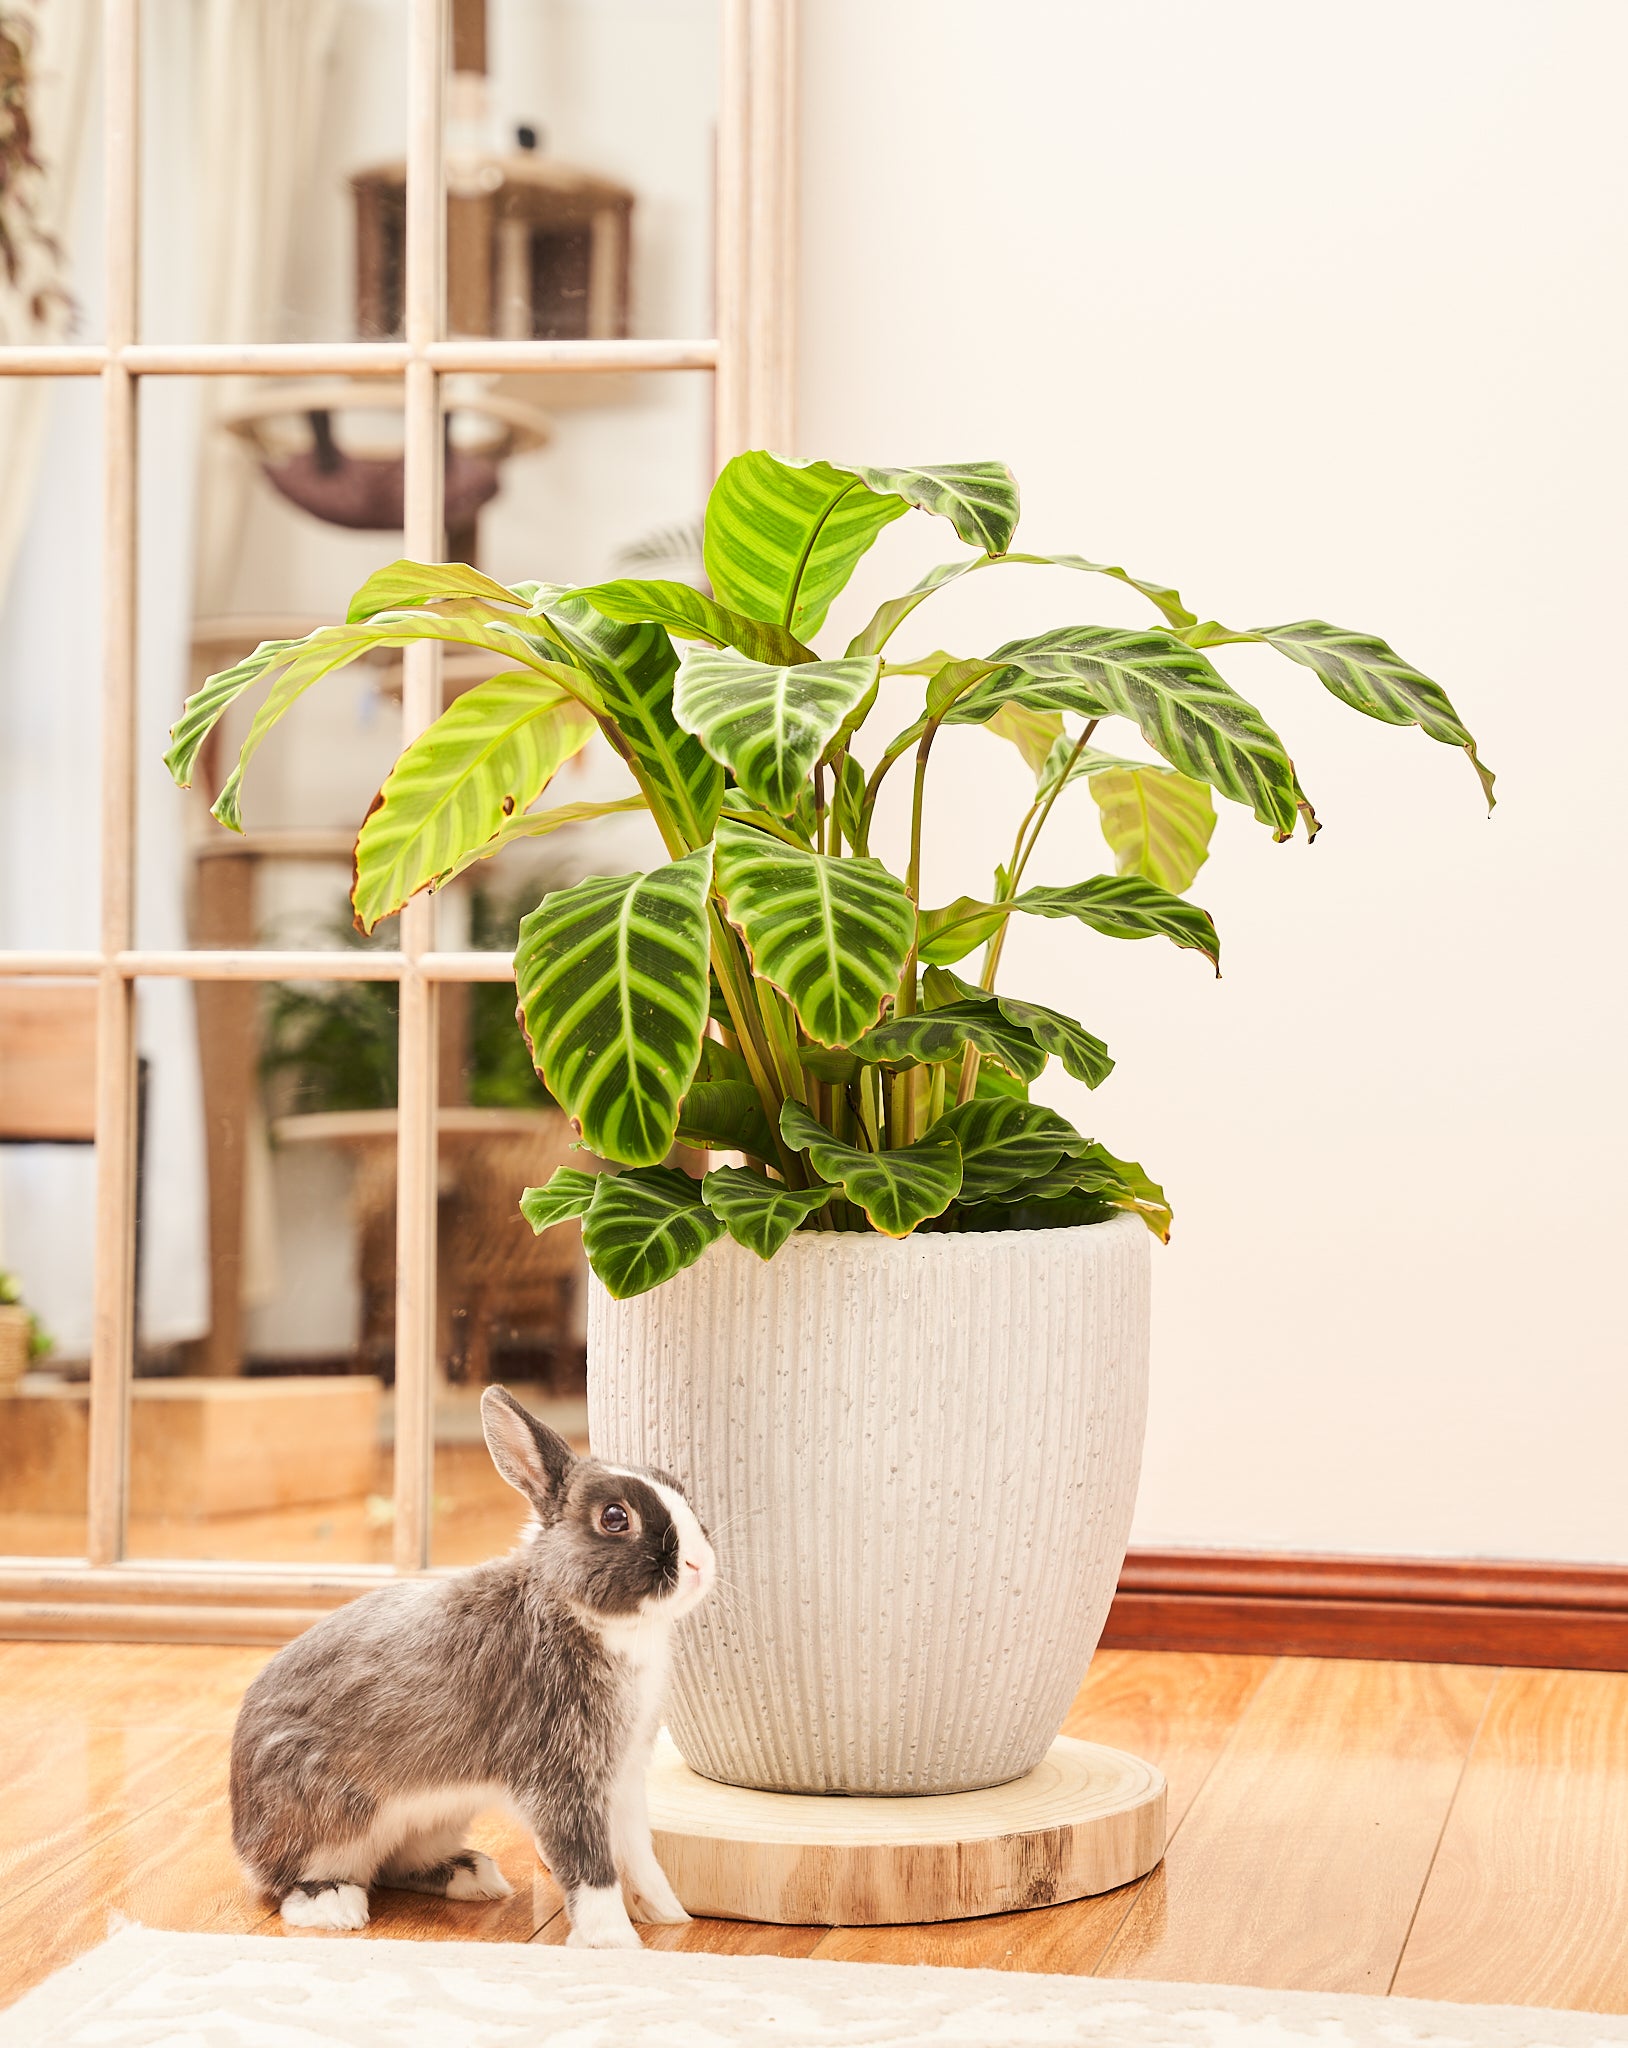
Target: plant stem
738 999
867 803
1031 826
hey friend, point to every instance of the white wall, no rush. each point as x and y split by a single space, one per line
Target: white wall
1311 310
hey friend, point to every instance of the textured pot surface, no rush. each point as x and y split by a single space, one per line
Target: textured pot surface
918 1461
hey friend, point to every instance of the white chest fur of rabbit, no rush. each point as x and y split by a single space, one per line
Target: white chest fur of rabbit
364 1749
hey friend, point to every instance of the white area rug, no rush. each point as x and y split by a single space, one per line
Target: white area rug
247 1991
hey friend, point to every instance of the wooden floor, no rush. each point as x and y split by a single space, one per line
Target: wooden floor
1438 1831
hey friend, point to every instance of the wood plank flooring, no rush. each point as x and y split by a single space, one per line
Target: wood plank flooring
1436 1831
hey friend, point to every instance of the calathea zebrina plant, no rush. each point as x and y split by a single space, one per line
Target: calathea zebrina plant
773 989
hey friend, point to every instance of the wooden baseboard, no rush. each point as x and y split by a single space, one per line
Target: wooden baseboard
1414 1609
1278 1604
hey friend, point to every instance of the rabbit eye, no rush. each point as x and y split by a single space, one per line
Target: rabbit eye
614 1519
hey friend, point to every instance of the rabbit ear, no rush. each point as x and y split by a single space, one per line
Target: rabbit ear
529 1455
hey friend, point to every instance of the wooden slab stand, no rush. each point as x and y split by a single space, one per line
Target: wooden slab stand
1086 1820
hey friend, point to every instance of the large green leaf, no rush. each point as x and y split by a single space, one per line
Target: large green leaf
1372 677
612 979
1033 733
1121 1183
929 1037
633 668
1079 1052
687 615
489 755
1167 601
979 499
1120 906
783 537
897 1190
957 929
1127 907
757 1212
1156 820
538 825
564 1196
399 586
768 725
645 1226
1184 708
831 934
297 664
725 1116
1005 1142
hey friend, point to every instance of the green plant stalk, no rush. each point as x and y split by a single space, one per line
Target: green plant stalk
1033 822
867 803
738 1000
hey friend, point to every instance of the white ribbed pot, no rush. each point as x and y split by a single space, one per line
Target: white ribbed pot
918 1460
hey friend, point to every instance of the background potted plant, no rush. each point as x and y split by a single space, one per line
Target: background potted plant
22 1339
907 1382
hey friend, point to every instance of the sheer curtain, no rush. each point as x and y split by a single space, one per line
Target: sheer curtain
233 88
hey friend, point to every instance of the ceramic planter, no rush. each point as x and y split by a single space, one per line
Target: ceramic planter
919 1461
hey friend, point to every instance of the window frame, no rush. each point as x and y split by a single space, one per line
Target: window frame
104 1594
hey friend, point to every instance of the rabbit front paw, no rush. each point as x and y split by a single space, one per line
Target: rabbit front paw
335 1908
599 1919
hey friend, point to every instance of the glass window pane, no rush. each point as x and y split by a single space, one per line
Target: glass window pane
580 145
47 1260
50 663
261 1412
512 1305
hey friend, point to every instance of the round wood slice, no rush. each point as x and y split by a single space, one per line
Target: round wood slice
1085 1820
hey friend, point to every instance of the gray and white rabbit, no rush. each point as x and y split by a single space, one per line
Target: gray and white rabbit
363 1750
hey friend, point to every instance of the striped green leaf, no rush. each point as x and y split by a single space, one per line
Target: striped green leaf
645 1226
979 499
768 725
1094 1171
1078 1052
1156 821
563 1197
297 664
1005 1142
1033 733
1183 707
725 1116
957 929
1373 678
539 824
687 615
897 1190
783 537
612 980
831 934
929 1037
1167 601
489 755
1127 907
757 1212
633 668
399 586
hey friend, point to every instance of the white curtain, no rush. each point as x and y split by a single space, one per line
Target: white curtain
265 65
232 90
65 48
